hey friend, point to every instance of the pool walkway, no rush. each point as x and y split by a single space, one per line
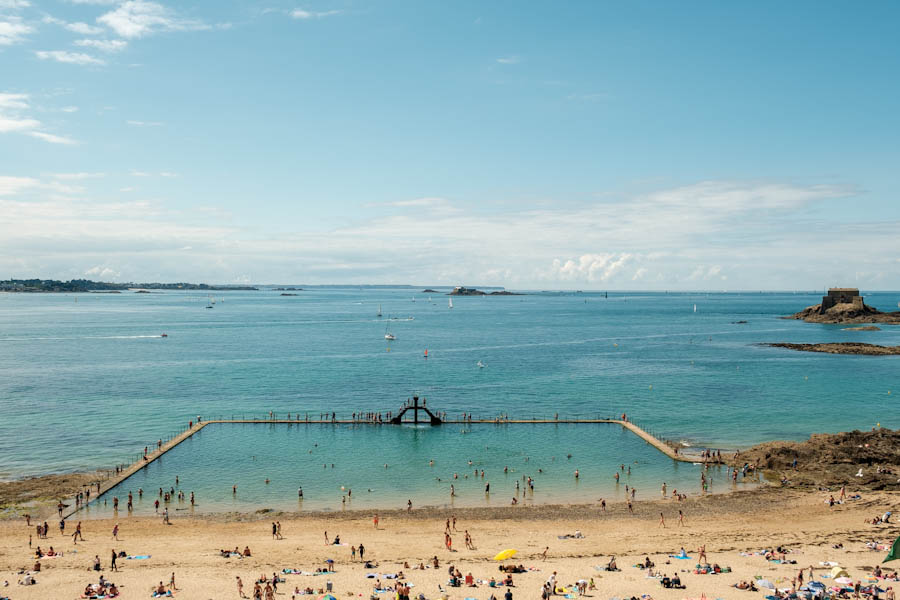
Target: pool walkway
122 473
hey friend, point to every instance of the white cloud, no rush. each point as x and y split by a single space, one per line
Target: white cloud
83 28
126 189
168 174
509 60
14 4
13 185
64 56
138 18
135 173
102 272
103 45
8 100
77 176
13 30
658 240
8 124
144 123
299 13
53 139
69 109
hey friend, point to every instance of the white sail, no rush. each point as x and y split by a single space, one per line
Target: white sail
450 303
379 310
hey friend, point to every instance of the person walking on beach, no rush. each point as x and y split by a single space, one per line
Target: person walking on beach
274 531
62 527
112 563
166 516
77 535
362 552
278 530
115 532
240 587
662 521
680 518
375 520
702 554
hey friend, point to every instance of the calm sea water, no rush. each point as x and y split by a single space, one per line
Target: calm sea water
87 384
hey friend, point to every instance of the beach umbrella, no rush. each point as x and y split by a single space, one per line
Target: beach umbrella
766 584
506 554
815 585
843 580
327 597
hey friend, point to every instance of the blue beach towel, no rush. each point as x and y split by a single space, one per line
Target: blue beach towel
138 557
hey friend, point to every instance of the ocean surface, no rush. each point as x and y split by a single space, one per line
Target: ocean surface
87 382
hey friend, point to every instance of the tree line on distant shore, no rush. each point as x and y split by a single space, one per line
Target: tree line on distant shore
86 285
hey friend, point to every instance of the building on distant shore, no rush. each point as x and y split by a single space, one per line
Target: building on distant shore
841 296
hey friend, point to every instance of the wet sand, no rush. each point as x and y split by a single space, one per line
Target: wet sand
728 524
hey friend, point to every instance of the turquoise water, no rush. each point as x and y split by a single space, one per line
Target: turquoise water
87 384
291 456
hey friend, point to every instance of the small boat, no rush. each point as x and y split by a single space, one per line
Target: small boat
481 365
390 336
164 335
413 299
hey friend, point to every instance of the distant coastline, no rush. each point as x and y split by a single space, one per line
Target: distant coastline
86 285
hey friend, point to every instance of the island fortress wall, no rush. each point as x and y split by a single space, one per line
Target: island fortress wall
841 296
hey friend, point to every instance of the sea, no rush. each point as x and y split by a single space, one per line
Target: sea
89 380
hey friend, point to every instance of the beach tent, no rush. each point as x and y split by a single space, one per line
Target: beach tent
894 554
765 583
839 572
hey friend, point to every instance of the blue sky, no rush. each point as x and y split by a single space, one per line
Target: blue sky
590 145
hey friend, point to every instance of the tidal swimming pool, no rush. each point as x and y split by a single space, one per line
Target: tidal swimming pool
379 467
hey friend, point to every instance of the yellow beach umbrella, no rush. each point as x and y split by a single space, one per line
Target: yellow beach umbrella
506 554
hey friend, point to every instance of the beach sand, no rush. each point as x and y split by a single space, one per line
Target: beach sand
727 524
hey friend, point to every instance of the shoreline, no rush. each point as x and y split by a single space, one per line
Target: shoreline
732 528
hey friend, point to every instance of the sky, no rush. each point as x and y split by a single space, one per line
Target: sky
533 145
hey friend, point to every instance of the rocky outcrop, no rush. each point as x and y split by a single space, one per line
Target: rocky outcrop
832 460
842 348
845 313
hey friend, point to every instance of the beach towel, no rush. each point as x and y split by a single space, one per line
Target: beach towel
679 557
138 557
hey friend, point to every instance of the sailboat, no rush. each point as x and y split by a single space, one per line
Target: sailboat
695 308
481 365
413 299
450 303
388 335
379 310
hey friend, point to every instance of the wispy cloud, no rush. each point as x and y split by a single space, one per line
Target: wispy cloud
144 123
13 185
8 100
509 60
77 176
103 45
13 30
64 56
53 139
69 109
139 18
300 13
77 27
14 4
14 118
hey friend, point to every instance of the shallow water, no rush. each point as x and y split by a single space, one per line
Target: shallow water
367 466
88 384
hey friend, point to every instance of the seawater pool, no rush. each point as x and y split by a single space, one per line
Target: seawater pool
374 467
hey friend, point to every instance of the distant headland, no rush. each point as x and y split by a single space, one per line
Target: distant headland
844 305
86 285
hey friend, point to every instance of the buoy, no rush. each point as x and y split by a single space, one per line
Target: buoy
426 352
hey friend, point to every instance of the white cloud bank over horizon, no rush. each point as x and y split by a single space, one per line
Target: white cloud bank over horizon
711 235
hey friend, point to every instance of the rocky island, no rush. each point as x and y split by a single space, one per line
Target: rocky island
86 285
841 348
464 291
844 305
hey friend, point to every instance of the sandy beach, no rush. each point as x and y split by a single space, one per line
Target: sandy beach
729 525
